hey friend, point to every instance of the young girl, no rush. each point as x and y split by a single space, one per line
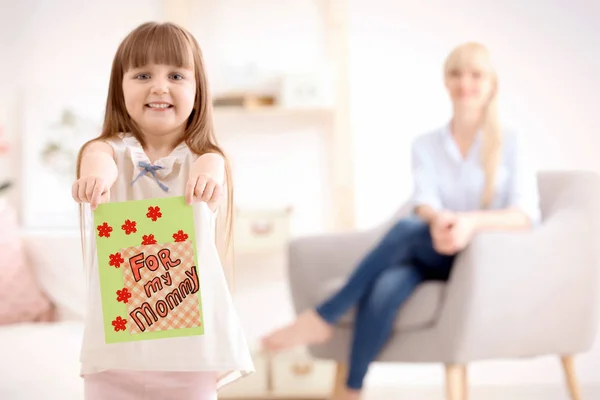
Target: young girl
469 175
158 141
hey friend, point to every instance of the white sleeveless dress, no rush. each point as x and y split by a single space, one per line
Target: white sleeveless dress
223 348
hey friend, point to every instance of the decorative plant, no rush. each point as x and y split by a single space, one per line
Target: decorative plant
63 142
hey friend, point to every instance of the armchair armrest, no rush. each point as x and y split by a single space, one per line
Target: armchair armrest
525 293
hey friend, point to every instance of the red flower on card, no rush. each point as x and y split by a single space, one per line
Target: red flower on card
123 295
154 213
180 236
148 239
129 227
116 260
119 324
104 230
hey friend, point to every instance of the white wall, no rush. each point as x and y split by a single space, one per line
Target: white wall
12 16
547 56
61 56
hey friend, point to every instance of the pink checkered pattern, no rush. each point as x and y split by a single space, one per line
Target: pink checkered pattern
182 306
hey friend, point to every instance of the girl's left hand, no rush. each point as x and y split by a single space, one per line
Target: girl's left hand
205 188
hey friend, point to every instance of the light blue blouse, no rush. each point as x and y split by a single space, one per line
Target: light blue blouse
444 180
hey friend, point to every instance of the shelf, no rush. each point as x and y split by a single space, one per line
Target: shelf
273 111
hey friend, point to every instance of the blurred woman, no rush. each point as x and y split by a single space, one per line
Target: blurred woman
469 175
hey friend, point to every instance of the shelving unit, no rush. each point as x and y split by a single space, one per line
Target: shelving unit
339 141
274 111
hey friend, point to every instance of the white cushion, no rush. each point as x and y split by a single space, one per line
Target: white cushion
41 361
57 261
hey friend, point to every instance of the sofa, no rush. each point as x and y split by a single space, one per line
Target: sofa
40 360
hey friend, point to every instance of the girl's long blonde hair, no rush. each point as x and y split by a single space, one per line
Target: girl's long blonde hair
491 129
164 43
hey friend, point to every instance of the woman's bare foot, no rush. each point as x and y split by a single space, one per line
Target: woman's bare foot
309 328
348 394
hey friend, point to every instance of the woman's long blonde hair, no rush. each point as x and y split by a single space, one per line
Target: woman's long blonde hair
164 43
491 129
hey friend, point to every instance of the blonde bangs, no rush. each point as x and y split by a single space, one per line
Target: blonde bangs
457 60
463 56
156 43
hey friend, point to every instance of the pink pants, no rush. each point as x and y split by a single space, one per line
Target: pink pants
150 385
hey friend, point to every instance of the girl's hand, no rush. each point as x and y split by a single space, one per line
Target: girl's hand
205 188
90 189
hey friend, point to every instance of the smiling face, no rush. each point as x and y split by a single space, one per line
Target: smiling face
158 85
159 98
469 77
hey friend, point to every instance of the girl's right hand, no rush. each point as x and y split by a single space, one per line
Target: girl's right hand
91 189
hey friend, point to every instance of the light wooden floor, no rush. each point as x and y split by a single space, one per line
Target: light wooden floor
483 393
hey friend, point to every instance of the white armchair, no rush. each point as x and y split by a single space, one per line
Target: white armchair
510 294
